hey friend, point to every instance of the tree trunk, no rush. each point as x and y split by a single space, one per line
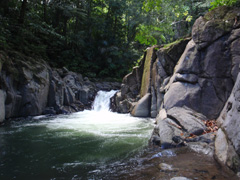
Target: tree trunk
23 12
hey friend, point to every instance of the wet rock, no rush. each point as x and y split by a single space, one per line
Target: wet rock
156 140
49 111
164 153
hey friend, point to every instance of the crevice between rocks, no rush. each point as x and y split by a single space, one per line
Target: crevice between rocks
177 122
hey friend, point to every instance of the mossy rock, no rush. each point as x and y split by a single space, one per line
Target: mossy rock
16 63
149 59
217 13
223 16
169 46
214 25
175 49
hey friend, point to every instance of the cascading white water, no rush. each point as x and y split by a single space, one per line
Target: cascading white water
69 145
102 100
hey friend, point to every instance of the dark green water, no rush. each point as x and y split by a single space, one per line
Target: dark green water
77 146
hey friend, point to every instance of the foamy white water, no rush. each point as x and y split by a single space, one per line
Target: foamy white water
69 145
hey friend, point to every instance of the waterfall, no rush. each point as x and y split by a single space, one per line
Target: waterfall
102 100
92 139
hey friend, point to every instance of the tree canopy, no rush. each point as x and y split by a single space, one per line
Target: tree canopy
98 38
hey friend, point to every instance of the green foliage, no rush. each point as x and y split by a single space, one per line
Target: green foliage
217 3
168 20
98 38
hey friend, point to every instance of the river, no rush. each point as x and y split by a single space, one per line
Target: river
78 145
95 145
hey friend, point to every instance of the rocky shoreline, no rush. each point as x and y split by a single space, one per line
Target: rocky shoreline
29 87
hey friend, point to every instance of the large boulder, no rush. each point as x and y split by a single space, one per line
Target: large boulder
177 124
213 25
154 71
130 90
69 92
142 108
229 132
26 82
225 152
202 79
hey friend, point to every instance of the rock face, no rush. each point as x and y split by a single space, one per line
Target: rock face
202 81
227 144
189 83
26 83
142 108
153 73
30 87
200 77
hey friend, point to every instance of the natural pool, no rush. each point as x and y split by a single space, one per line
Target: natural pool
94 145
71 146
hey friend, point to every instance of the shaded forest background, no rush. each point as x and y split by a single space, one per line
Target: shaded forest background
97 38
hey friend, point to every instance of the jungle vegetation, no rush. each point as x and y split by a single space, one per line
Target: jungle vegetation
98 38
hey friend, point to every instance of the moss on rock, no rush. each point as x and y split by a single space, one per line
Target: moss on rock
149 59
